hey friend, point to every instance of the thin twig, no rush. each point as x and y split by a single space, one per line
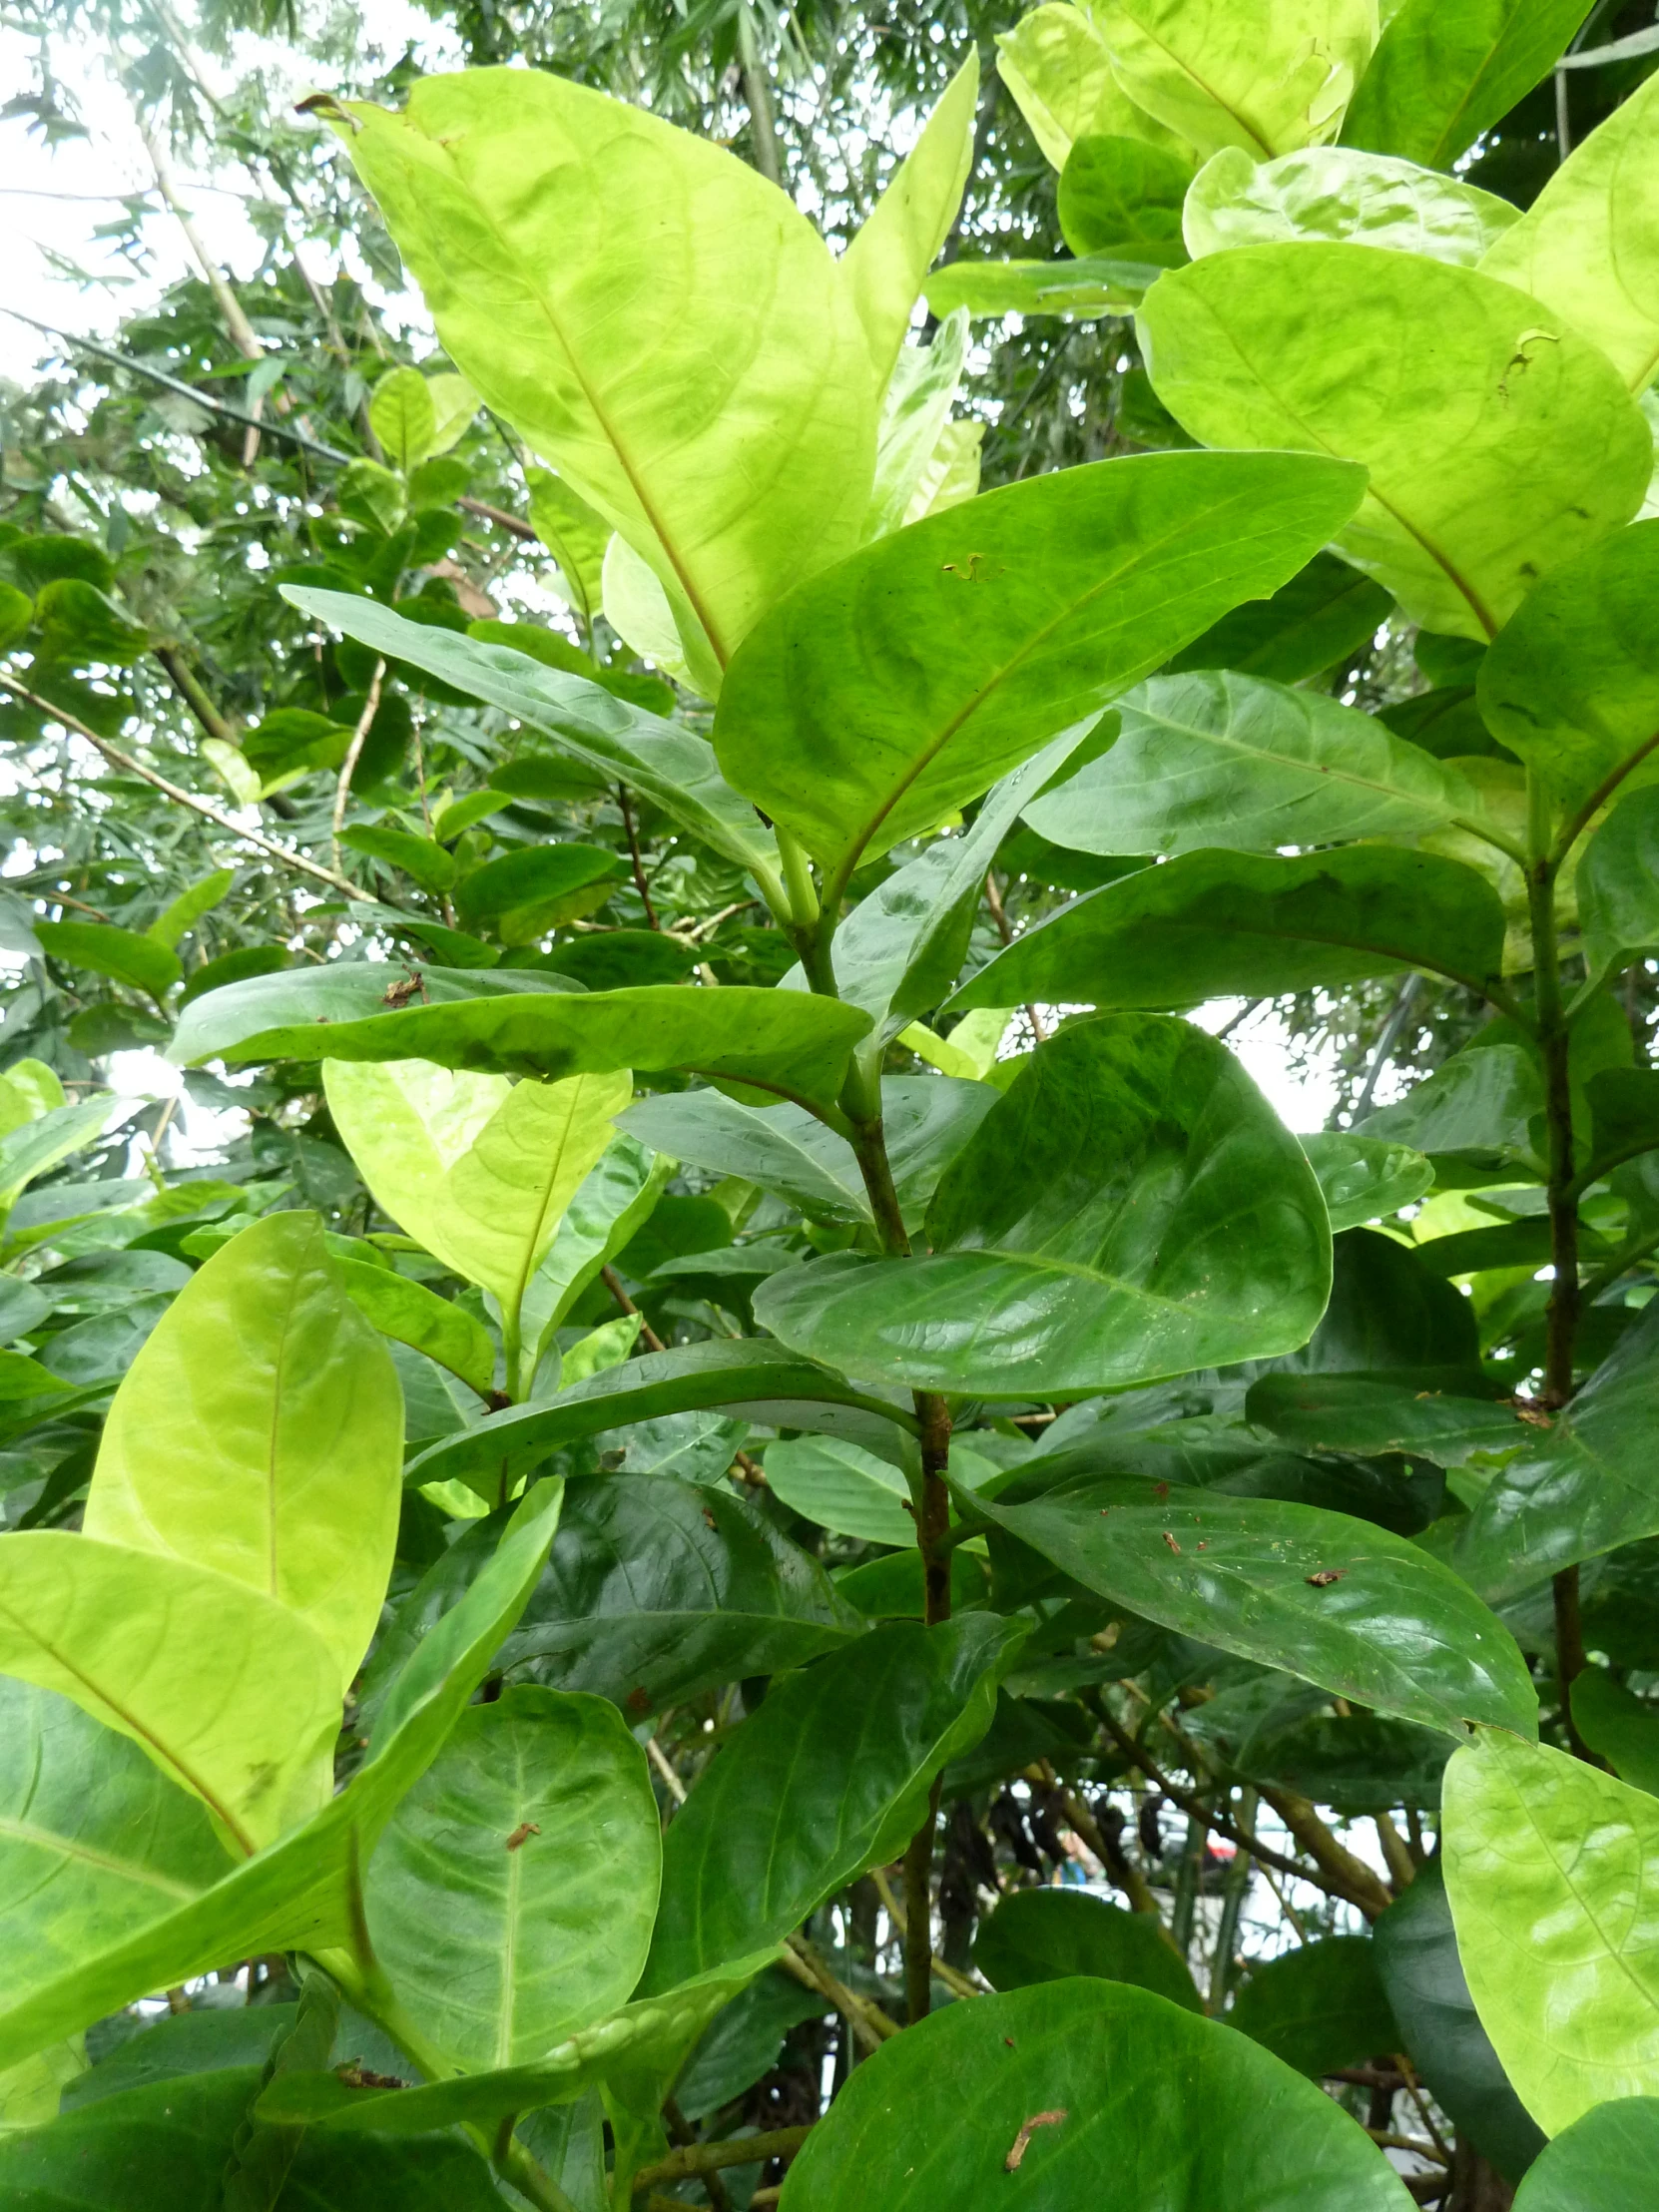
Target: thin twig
640 883
613 1282
353 751
952 1980
676 1788
205 807
868 2022
993 900
707 2158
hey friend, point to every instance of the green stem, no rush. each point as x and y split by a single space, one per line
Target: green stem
918 1913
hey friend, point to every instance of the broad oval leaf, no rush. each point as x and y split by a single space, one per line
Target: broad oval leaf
500 187
1499 455
841 1488
1121 197
1618 886
1608 2159
106 949
1366 1615
1318 2007
1365 1178
1037 1936
1588 246
781 1041
1057 65
1264 75
1326 611
410 1314
1231 761
260 1432
231 1693
1373 1414
1552 1868
1422 1976
1130 1209
766 1834
655 1591
1572 685
917 673
1621 1727
1218 925
1338 194
1092 2093
512 1894
522 895
1444 74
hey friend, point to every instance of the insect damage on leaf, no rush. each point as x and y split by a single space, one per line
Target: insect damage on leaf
522 1834
1325 1576
1038 2119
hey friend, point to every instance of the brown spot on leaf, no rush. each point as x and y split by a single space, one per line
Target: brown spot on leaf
359 2077
1325 1576
639 1701
1170 1541
522 1834
1038 2119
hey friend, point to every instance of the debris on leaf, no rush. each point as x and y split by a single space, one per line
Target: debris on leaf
1038 2119
522 1834
1325 1576
1170 1541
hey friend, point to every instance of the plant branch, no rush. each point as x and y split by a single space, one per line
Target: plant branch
709 2158
961 1983
193 694
613 1282
868 2022
353 751
640 883
204 806
1577 825
993 900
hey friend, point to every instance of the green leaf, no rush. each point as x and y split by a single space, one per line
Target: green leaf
1318 2007
1056 62
1088 289
1572 684
892 251
1037 1936
1226 760
138 1642
1618 886
735 1373
260 1432
299 1892
1508 449
1423 1977
1326 611
29 1148
103 948
618 1195
500 187
841 1488
766 1835
1121 198
524 895
1365 1178
479 1170
1482 1102
660 760
657 1591
17 613
512 1894
1375 1414
938 659
1588 246
187 909
1338 192
81 625
1442 74
575 536
1130 1208
639 2049
508 1023
1602 2159
164 2148
403 418
419 858
454 404
1623 1728
261 2158
414 1314
1394 1630
1556 1938
1218 925
1189 2108
1265 76
915 414
1581 1486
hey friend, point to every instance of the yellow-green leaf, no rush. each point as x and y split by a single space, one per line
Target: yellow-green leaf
1056 65
1264 75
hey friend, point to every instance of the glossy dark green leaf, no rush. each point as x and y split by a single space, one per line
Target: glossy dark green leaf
295 1894
105 949
1052 1935
1390 1627
1113 2097
205 2041
1571 683
841 1488
1208 759
1362 1764
1365 1178
748 1372
1130 1208
1223 924
1422 1979
1623 1728
525 1024
166 2148
1607 2160
766 1835
663 761
743 2043
1326 611
919 671
1443 73
1510 447
1618 871
1380 1413
512 1894
1318 2007
622 959
655 1591
1482 1102
1122 197
1585 1484
428 864
524 895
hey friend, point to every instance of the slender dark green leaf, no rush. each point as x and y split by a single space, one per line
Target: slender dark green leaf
1446 70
